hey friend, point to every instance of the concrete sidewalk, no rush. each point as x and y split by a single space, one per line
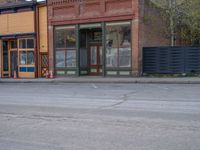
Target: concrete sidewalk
183 80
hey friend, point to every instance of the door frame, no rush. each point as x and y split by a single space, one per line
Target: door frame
10 50
5 74
97 66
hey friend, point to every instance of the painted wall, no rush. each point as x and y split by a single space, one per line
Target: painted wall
43 28
22 22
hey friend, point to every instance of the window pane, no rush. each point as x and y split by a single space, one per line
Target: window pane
112 36
71 38
101 55
83 57
111 46
93 54
22 57
124 36
30 43
111 57
60 59
30 57
5 56
125 57
5 62
71 58
22 44
60 38
14 44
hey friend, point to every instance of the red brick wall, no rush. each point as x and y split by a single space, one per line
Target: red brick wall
152 29
84 11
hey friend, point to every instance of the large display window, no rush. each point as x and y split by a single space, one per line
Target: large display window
118 45
65 48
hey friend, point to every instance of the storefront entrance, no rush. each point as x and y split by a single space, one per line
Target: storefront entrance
13 64
91 52
95 60
10 58
5 65
99 49
18 58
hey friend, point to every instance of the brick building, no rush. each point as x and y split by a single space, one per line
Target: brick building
93 37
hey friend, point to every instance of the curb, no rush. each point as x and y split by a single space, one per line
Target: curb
110 80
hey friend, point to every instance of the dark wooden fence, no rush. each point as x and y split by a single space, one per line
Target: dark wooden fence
171 60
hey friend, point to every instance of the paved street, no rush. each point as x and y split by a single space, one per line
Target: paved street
87 116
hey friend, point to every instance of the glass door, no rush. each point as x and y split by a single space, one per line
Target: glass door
5 59
13 63
95 60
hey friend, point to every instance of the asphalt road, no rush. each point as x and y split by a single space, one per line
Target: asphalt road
99 116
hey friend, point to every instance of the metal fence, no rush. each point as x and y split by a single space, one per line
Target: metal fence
171 60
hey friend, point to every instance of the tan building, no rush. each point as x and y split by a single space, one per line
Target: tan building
23 40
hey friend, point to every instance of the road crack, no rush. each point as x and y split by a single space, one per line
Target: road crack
124 98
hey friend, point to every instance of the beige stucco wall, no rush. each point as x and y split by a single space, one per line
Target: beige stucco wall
22 22
43 28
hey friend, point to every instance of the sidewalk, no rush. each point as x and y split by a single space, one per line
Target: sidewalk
183 80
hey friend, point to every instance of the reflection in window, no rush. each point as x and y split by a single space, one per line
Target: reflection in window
30 57
118 44
111 57
93 52
60 38
125 57
101 55
83 58
70 39
71 58
65 47
60 59
23 58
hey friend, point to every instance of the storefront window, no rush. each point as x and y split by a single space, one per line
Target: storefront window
22 57
118 45
71 58
26 51
70 39
60 59
65 47
125 57
60 38
111 57
93 53
30 57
